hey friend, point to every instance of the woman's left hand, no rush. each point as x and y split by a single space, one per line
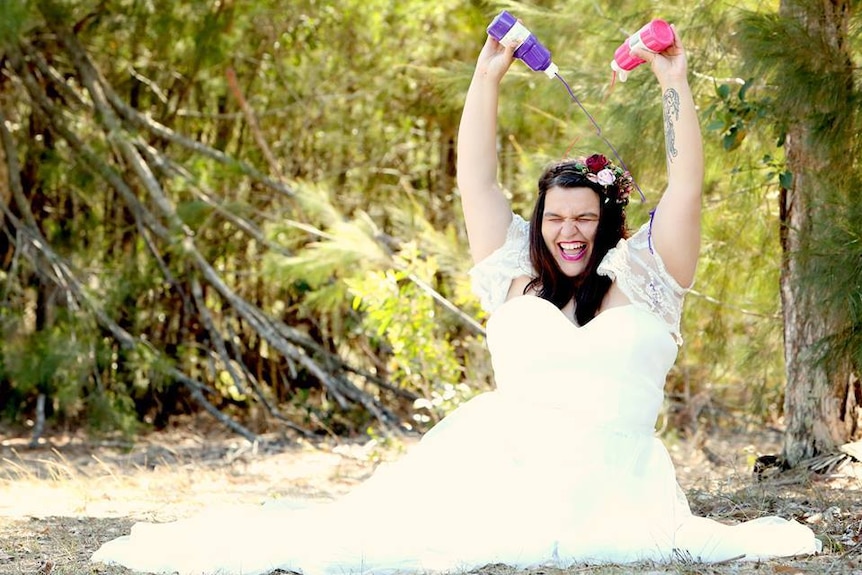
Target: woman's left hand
669 65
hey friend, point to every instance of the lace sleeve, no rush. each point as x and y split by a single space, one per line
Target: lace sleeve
640 273
492 276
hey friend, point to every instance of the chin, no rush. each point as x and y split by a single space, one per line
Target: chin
571 271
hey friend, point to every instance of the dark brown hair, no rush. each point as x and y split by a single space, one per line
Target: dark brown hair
588 288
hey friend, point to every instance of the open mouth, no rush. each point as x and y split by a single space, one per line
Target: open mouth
573 251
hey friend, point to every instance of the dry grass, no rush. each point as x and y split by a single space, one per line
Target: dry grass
60 502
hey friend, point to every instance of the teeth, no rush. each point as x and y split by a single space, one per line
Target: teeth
572 247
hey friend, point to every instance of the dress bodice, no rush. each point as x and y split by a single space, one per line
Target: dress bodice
609 372
635 268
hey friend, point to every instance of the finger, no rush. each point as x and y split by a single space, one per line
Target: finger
495 47
677 42
644 54
491 43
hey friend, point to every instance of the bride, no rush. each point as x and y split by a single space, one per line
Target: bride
559 465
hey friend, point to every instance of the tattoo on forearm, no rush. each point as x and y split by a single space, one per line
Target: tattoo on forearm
671 115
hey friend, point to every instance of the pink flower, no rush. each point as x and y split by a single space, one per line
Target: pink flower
596 162
591 177
606 177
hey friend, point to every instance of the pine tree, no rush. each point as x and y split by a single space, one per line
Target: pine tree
805 52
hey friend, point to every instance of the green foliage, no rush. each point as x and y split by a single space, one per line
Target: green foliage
832 266
378 288
732 323
407 322
734 115
38 361
61 363
807 73
14 17
358 106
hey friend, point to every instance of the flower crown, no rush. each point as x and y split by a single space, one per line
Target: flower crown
599 169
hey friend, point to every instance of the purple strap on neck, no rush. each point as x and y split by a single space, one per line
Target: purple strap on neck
649 231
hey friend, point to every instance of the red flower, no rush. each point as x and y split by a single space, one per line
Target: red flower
596 163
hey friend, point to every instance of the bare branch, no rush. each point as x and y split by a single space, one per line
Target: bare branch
68 281
194 388
143 218
251 119
262 397
216 338
169 167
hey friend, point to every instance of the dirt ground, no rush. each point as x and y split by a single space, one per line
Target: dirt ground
61 501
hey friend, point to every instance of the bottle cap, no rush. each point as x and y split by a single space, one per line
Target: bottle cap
656 36
498 28
623 75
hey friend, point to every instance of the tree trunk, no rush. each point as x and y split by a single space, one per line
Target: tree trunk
821 402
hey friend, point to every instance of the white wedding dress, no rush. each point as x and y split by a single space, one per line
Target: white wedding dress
559 465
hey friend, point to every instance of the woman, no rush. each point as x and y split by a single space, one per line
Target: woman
611 333
559 465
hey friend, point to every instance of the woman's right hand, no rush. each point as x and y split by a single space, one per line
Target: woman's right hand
494 60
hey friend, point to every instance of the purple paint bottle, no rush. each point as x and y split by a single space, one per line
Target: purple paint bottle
506 29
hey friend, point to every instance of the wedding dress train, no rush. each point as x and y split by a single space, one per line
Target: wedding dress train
559 465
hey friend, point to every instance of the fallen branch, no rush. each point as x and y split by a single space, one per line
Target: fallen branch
64 277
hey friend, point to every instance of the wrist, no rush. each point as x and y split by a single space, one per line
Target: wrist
487 78
677 82
679 90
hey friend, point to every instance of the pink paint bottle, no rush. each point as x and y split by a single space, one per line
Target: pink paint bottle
656 37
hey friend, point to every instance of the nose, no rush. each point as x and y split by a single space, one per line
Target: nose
570 227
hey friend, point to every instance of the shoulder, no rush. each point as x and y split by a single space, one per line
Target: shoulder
492 277
639 272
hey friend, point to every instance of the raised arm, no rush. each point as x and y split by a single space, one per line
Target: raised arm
487 213
676 224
